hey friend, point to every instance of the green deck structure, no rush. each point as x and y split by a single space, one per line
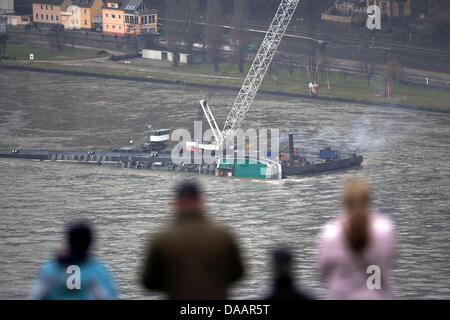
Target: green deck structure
245 168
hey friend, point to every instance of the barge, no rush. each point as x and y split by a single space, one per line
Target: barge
327 160
145 157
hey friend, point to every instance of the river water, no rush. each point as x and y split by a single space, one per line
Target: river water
406 156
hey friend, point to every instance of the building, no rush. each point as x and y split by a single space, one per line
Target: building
392 8
123 17
6 6
183 58
17 20
355 11
49 11
82 14
345 11
16 12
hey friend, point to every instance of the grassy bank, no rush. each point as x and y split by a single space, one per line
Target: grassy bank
340 87
42 52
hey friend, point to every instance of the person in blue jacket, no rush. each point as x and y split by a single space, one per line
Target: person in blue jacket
74 274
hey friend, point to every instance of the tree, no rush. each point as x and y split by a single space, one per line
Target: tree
367 63
392 70
73 38
290 63
173 30
214 32
274 69
192 32
324 67
240 33
56 38
288 50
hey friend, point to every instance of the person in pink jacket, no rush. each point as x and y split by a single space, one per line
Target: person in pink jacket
356 249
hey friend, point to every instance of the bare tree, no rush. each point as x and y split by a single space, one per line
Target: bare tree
192 30
56 38
345 72
274 69
324 68
214 32
73 39
392 71
174 30
291 63
289 56
367 63
240 33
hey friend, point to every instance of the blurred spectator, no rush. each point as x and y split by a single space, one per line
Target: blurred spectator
284 287
351 247
194 258
74 274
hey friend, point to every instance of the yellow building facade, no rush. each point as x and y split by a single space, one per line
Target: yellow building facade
122 17
49 11
83 14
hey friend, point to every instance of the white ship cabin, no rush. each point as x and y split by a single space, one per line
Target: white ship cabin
159 135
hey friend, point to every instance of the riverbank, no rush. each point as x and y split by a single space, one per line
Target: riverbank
222 84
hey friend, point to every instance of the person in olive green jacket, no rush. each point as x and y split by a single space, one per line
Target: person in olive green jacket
194 258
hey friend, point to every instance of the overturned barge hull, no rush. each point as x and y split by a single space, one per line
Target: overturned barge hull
261 168
138 160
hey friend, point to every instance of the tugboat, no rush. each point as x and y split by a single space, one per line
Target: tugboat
328 160
156 142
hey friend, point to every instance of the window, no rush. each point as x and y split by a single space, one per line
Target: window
145 20
46 17
46 7
119 17
114 26
42 7
107 26
51 17
106 14
85 11
37 16
113 16
57 18
51 8
42 17
127 19
142 20
152 18
120 27
136 20
85 22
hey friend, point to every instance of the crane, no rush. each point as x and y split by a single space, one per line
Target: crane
254 77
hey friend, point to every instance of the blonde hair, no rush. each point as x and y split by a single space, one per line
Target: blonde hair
357 199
